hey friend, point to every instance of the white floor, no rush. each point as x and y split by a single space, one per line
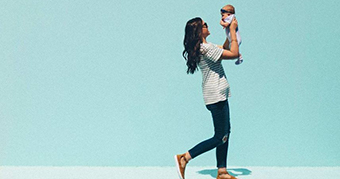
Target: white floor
7 172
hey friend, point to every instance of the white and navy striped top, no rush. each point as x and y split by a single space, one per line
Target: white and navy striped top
214 81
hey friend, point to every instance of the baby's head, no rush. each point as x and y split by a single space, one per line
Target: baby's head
227 10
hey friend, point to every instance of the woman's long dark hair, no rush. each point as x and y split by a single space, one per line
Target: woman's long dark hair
192 43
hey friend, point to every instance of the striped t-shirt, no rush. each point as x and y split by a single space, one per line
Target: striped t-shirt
214 81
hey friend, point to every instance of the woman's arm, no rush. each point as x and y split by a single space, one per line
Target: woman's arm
231 53
226 44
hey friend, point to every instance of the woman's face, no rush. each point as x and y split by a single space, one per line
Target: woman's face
205 30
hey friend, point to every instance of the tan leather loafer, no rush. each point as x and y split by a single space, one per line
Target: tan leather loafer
224 173
179 167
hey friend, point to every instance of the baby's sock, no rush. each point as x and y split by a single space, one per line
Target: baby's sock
239 60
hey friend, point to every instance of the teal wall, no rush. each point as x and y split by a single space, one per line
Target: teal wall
103 83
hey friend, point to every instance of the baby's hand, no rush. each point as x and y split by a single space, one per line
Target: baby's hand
224 24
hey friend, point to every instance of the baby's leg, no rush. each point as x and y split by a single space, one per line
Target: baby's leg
238 36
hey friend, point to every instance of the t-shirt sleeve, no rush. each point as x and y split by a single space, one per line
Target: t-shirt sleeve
211 51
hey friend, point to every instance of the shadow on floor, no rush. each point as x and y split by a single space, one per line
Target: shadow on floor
232 171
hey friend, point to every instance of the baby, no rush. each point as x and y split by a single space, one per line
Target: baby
228 14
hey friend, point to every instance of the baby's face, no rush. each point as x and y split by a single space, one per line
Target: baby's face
228 9
225 15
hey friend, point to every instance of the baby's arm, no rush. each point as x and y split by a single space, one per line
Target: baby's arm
224 24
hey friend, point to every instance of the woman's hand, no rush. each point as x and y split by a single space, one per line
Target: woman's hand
233 24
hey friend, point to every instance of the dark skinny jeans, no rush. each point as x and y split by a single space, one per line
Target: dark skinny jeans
220 140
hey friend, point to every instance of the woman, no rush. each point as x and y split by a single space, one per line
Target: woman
207 56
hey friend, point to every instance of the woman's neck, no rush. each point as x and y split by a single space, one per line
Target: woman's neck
204 40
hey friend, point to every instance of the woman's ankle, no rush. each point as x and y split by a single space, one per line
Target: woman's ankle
187 156
222 169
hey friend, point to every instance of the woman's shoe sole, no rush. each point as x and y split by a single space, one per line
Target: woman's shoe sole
178 167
